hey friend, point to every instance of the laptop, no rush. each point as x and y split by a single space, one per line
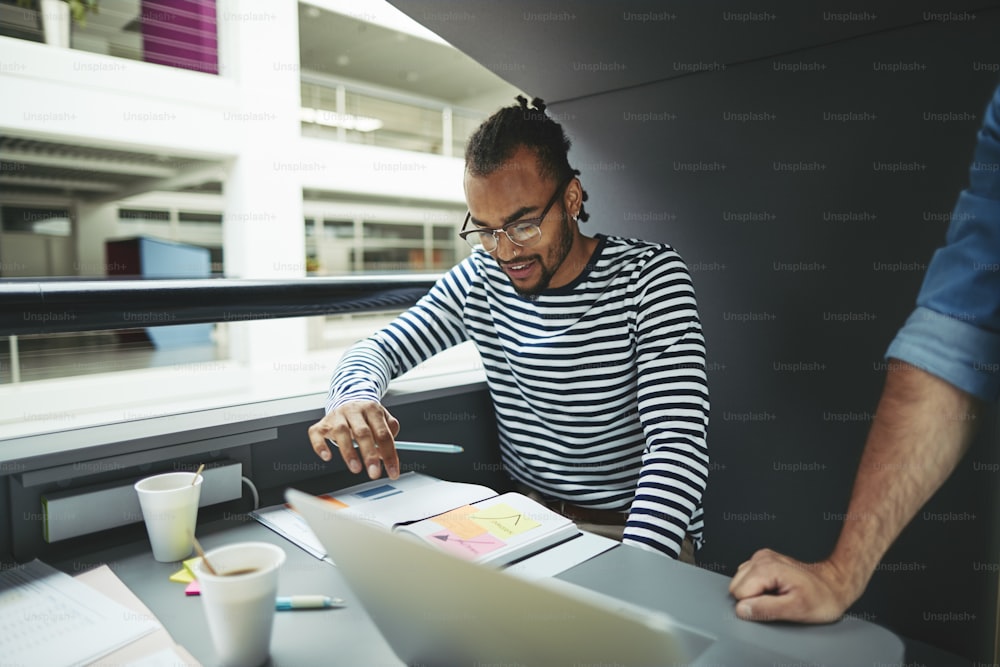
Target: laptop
435 608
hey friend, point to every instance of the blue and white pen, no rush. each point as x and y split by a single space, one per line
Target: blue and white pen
435 447
308 602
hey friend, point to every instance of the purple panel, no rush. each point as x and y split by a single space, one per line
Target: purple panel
181 33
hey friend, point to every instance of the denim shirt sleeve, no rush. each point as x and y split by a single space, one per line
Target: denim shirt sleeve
954 333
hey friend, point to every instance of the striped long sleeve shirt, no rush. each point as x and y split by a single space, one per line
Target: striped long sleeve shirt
599 386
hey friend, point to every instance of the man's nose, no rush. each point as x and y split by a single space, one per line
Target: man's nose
506 249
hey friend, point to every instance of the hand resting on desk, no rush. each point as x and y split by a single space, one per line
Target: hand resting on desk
370 425
774 587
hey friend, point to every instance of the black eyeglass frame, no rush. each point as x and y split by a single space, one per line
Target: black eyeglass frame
535 222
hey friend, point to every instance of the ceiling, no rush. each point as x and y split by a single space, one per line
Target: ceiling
565 49
357 50
556 49
34 169
342 46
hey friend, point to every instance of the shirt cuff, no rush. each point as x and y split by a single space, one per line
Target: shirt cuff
959 353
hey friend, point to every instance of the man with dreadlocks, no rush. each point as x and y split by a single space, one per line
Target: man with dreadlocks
592 347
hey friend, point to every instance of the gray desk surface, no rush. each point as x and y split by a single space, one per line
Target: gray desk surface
347 637
701 599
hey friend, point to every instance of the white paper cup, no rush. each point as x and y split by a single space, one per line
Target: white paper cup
240 607
169 505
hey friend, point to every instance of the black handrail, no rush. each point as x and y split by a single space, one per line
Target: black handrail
31 306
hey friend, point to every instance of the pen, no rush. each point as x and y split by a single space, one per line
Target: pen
307 602
437 447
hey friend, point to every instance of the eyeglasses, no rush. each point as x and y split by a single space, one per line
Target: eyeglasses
519 232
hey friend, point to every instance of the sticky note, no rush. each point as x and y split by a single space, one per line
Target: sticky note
503 520
185 575
182 576
189 565
467 547
457 521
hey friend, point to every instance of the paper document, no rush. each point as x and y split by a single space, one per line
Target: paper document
49 618
563 556
156 649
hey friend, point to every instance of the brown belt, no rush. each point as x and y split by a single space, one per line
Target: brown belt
575 512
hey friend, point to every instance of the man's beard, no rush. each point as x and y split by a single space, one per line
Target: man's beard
565 244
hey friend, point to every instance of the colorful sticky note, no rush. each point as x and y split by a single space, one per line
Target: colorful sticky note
189 565
467 547
339 504
186 574
503 520
181 576
457 521
194 588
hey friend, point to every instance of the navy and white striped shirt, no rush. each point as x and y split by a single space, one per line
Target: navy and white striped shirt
599 386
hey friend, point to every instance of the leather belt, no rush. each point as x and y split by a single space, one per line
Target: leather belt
577 513
588 514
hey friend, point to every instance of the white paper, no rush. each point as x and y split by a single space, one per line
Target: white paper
287 523
410 498
167 657
561 557
155 645
49 618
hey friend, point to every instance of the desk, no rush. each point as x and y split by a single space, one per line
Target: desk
347 637
701 598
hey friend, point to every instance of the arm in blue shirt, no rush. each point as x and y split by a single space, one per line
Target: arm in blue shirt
954 333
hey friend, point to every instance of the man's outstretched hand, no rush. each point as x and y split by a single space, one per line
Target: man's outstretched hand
366 423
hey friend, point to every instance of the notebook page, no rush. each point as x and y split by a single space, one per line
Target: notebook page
49 618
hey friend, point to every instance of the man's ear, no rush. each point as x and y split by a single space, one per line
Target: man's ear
573 197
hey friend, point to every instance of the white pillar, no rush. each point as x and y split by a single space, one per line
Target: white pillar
263 227
447 132
93 224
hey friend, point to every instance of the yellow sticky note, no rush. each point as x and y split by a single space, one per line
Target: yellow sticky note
182 576
502 520
185 575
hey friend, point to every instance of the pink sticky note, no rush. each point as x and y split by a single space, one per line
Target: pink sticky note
468 547
193 588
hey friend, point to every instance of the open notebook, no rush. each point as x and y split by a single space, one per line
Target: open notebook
468 520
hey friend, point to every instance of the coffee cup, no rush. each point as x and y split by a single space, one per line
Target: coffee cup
169 505
239 600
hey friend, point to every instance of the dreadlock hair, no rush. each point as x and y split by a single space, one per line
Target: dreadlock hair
495 141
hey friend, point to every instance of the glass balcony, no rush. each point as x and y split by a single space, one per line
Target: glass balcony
360 114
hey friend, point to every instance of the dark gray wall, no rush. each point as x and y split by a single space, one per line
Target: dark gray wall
806 173
804 276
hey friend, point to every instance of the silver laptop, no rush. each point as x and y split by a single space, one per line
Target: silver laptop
434 608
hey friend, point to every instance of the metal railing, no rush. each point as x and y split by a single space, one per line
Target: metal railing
405 121
34 306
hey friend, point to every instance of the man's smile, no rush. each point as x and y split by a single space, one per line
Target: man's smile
518 270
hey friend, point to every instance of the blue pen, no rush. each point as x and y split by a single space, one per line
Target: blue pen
308 602
436 447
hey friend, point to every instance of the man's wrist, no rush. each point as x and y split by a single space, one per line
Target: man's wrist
847 577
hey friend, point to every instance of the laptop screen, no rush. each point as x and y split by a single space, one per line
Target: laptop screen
434 608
